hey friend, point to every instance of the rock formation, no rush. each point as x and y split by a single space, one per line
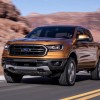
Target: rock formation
12 24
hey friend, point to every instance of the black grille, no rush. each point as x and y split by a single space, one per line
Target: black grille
27 50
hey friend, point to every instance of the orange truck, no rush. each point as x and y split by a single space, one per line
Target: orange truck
57 52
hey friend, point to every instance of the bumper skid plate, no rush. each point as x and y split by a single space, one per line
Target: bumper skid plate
41 70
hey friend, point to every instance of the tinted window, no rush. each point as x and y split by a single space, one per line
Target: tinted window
80 31
52 32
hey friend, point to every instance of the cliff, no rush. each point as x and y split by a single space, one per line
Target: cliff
12 24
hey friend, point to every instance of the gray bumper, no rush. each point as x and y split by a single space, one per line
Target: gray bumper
38 71
42 67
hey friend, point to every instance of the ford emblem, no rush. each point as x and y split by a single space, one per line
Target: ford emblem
25 50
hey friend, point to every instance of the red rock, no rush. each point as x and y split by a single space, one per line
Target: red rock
12 24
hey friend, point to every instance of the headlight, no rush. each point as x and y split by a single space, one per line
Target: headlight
55 47
6 47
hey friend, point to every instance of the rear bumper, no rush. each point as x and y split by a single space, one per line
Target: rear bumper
42 67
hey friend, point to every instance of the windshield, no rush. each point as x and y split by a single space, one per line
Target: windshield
52 32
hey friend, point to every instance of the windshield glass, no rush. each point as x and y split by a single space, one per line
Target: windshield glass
52 32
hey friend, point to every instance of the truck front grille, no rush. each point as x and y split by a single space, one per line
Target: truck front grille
27 50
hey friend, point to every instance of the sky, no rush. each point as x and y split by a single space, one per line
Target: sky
51 6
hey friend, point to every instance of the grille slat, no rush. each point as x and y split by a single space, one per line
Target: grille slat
28 50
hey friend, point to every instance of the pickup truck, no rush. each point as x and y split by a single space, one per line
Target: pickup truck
57 52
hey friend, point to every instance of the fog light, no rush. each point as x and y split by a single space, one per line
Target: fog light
10 68
57 63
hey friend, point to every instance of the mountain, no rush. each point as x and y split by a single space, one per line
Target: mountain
90 20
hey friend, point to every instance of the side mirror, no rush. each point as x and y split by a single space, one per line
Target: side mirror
83 38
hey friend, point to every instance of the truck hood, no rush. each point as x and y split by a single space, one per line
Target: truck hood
40 41
36 39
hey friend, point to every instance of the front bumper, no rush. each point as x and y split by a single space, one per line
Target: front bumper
42 67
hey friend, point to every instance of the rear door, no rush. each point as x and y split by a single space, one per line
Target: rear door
86 51
93 49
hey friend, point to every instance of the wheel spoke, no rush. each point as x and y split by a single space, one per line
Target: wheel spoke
71 72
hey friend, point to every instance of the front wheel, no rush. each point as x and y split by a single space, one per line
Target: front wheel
69 75
95 74
11 77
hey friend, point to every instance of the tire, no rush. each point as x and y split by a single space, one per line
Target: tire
11 77
68 77
95 74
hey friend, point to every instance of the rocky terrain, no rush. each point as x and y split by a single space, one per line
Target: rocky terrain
12 24
90 20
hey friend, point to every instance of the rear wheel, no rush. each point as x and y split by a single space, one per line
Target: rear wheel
69 75
11 77
95 74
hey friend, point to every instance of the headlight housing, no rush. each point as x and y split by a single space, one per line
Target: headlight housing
6 47
54 47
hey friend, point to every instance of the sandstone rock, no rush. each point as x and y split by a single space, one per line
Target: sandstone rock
12 23
9 11
10 30
6 1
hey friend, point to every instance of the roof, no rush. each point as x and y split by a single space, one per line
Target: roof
61 26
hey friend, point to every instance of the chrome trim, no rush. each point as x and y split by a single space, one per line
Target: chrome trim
45 52
45 68
54 45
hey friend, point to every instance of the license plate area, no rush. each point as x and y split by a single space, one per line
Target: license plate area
25 64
